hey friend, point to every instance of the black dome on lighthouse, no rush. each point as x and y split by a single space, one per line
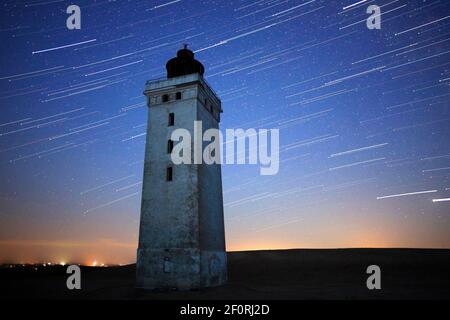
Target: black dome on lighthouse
184 64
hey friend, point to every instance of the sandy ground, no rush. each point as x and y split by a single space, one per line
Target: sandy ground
278 274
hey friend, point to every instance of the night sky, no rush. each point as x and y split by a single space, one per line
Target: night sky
364 121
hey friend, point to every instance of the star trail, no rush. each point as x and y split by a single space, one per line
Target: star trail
364 121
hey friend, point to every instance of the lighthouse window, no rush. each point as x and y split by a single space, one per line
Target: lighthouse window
178 96
171 119
169 174
165 98
169 146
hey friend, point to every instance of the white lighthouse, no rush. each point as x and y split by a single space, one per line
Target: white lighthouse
181 238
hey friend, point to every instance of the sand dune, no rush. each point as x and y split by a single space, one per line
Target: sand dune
278 274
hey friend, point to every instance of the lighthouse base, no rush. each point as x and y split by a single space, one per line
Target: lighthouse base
181 269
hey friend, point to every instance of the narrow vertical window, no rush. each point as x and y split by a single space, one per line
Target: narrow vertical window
171 119
178 96
165 98
169 146
169 174
167 265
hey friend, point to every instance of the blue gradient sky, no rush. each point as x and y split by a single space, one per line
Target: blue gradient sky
74 195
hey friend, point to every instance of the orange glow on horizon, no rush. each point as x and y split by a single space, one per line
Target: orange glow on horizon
106 252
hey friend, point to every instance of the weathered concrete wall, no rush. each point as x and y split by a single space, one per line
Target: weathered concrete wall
212 233
210 195
170 268
181 240
169 209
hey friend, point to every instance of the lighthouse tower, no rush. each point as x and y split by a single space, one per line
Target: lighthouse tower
181 237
